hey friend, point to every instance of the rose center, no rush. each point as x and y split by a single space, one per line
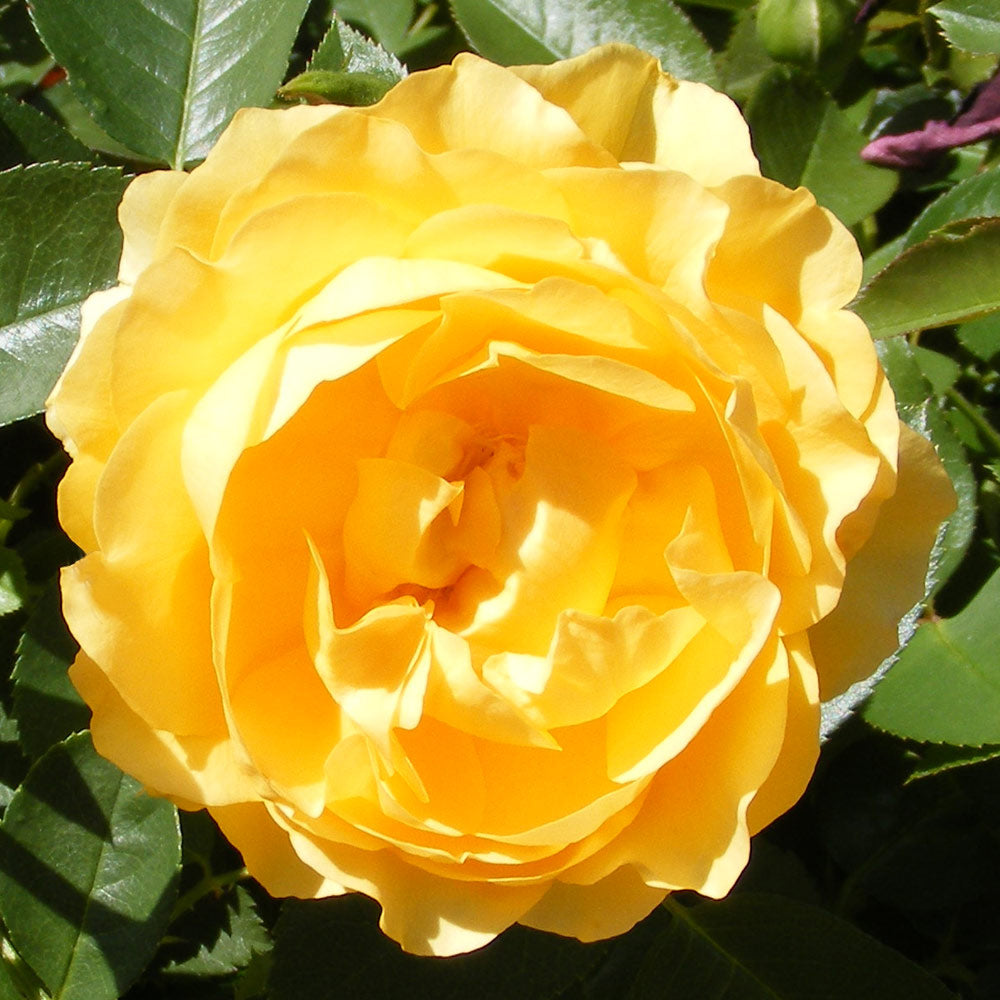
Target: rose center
427 512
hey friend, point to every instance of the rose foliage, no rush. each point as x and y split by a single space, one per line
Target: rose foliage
479 492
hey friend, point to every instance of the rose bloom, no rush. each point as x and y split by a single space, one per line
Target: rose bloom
480 491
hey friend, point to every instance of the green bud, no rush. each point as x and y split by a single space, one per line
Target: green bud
321 86
803 31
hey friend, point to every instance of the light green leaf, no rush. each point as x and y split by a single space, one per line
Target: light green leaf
802 137
938 757
344 50
981 336
27 136
976 197
164 77
917 406
60 241
941 371
756 946
13 585
512 32
46 705
945 687
947 279
744 61
88 869
323 86
972 25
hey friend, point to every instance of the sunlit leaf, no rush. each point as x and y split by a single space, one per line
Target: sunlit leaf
60 241
165 76
945 688
972 25
344 50
511 32
88 867
949 278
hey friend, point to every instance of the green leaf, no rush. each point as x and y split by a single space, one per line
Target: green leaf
46 705
976 197
511 32
387 21
938 757
802 137
60 241
756 946
972 25
27 136
950 278
344 50
223 932
941 371
13 583
981 337
945 687
744 61
164 77
916 405
332 948
88 868
919 846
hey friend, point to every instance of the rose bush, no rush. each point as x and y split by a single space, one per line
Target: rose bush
479 491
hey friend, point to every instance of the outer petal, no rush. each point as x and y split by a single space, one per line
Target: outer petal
458 106
886 578
192 770
591 912
621 99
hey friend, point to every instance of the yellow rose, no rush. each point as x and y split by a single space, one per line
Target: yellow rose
479 492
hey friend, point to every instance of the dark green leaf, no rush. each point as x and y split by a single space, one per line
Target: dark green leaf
386 21
947 279
344 50
46 704
919 846
328 949
165 76
756 946
945 688
802 137
59 242
223 933
23 59
540 31
27 136
88 866
972 25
